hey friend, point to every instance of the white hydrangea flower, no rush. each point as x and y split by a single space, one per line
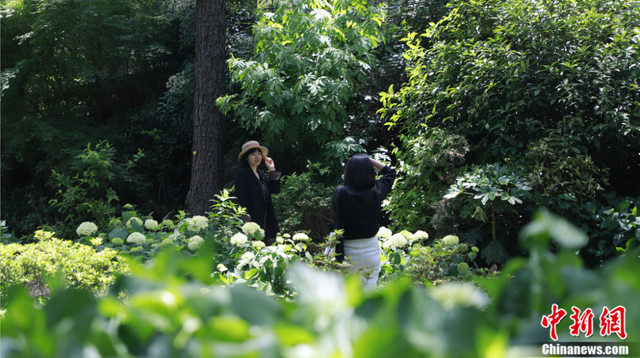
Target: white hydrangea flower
117 241
167 223
87 228
199 222
175 235
407 235
453 294
420 235
250 227
450 240
384 233
167 241
194 242
134 219
300 237
258 245
96 241
151 224
248 256
398 240
395 241
286 236
137 239
238 239
280 240
221 267
135 249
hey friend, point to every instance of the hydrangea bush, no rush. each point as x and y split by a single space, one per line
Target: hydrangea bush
241 256
408 254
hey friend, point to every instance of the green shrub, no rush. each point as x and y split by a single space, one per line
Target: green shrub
610 222
90 196
82 266
425 263
557 166
304 204
490 196
427 165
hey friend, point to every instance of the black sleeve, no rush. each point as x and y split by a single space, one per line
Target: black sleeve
242 188
273 184
334 202
385 184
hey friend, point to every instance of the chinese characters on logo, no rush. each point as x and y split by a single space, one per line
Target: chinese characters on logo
611 321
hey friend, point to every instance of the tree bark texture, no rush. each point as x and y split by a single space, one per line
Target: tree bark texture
208 122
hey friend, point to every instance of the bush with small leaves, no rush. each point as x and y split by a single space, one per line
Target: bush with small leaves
82 266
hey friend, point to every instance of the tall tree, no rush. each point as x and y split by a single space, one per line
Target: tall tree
208 121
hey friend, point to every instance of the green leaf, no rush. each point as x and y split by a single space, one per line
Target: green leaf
547 225
120 233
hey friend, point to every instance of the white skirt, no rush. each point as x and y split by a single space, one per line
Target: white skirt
364 256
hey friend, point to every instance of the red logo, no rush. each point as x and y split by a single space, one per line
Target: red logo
611 321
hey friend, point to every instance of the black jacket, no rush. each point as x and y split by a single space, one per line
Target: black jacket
248 190
358 212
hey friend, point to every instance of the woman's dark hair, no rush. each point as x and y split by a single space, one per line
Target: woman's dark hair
359 173
243 161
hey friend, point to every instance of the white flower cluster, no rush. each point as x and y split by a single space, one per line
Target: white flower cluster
198 223
450 240
258 245
407 235
96 241
420 235
137 239
250 228
167 223
247 256
134 219
238 239
151 224
194 242
221 267
300 237
175 235
453 294
87 229
395 241
384 233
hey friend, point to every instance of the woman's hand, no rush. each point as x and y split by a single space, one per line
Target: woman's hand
377 164
270 164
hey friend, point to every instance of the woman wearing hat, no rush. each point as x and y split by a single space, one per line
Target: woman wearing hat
253 188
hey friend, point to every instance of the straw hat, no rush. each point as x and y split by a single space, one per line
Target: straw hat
250 145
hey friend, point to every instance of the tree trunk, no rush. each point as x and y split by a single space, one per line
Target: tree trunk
208 123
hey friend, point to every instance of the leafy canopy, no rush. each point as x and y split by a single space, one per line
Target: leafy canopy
302 86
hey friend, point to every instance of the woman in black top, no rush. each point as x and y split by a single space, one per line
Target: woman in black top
253 189
356 206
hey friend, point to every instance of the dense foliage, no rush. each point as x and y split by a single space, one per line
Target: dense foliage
159 311
547 90
306 87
